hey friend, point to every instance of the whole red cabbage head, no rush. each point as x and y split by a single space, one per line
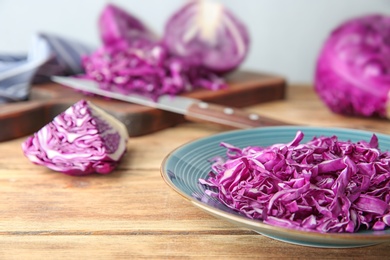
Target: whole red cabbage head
352 74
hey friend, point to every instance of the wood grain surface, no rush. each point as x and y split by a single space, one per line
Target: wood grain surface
133 214
46 101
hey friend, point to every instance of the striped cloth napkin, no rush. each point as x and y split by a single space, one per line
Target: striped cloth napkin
48 55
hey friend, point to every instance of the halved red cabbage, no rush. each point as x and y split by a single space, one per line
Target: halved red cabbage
324 185
117 25
133 61
353 69
82 140
209 34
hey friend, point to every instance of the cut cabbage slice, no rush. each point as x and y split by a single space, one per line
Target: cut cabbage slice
82 140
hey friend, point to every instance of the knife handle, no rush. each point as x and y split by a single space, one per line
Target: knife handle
227 116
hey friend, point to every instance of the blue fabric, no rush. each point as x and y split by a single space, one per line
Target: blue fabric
49 55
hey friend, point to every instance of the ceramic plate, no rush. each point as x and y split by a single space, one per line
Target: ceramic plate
182 169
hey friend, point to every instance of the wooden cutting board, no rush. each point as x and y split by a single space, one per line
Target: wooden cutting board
48 100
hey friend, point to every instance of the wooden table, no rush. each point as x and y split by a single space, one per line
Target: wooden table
132 213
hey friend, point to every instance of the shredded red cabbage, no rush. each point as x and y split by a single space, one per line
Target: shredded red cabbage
148 71
324 185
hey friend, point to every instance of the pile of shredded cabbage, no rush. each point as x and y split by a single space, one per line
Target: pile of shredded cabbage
148 70
324 185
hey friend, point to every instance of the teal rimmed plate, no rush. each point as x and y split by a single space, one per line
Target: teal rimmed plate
183 167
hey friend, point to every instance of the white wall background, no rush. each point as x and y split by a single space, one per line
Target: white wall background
286 34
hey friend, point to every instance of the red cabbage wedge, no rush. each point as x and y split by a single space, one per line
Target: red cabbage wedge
82 140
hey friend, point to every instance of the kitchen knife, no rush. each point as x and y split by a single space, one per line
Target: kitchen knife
192 109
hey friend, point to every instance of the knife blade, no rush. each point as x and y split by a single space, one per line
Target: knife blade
193 109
